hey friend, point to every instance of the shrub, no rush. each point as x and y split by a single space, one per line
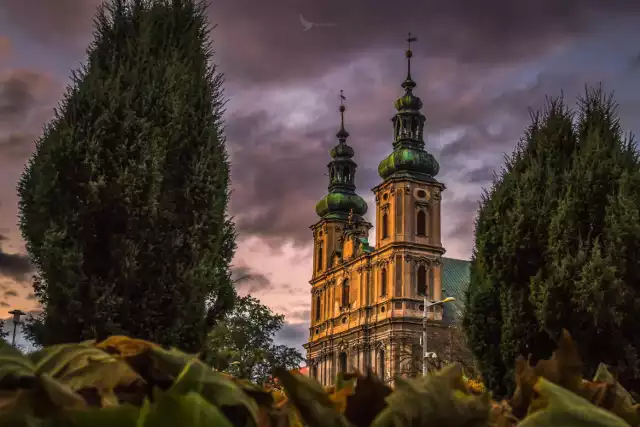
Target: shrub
126 382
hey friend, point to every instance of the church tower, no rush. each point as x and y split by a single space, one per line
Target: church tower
341 206
367 303
408 200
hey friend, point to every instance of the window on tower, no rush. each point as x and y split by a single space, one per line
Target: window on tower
345 293
422 280
342 363
320 261
383 282
421 223
385 226
318 312
431 283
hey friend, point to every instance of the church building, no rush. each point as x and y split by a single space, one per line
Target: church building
367 301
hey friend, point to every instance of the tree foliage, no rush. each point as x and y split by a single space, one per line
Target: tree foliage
557 241
123 205
243 343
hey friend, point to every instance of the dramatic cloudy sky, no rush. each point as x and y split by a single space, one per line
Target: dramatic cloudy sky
479 67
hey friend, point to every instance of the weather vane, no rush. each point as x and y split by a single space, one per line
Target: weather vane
342 98
410 39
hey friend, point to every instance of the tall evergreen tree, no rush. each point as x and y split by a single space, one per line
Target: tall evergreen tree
552 250
123 205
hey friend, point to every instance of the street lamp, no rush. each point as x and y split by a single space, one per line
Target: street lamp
17 314
425 353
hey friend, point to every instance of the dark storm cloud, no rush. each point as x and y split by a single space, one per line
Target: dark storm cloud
10 293
293 333
461 214
16 95
15 266
4 304
279 175
262 41
16 146
249 281
481 175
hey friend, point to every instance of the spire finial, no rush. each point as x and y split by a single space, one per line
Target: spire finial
409 54
342 133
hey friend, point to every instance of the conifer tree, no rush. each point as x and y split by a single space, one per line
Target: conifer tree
552 250
123 205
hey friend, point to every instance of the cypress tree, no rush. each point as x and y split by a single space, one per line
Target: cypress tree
552 250
123 204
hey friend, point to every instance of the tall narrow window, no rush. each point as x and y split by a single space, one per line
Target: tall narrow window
320 261
318 312
345 293
314 371
431 283
385 226
383 282
342 363
421 223
381 363
422 281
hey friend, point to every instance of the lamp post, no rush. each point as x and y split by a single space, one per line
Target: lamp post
17 314
427 305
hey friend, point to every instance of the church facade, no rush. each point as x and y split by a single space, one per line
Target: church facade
367 300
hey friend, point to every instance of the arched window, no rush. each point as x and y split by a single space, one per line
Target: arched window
383 281
342 363
318 312
345 293
385 226
381 363
421 223
320 261
422 281
431 283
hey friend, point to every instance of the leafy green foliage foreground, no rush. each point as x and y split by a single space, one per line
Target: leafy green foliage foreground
133 383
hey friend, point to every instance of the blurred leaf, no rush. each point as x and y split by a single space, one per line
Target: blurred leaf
120 416
13 363
61 395
191 375
567 409
614 397
84 366
565 367
340 396
188 410
315 407
368 400
125 346
433 400
62 359
526 379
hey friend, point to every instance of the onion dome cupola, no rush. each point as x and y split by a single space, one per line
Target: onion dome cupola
409 158
342 198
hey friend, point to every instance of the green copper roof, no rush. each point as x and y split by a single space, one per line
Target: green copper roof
455 281
409 159
409 155
342 198
337 205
